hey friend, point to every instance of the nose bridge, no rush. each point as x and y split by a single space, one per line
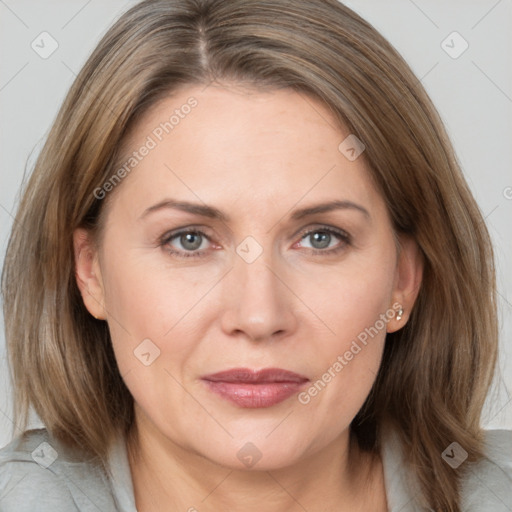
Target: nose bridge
257 301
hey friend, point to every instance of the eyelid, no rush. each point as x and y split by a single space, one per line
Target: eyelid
323 227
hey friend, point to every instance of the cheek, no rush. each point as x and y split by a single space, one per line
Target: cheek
146 300
345 370
156 319
349 302
356 307
135 306
337 395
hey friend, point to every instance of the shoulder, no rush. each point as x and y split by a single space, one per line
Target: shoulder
39 473
488 483
27 480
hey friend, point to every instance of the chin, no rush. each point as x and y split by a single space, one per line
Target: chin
253 453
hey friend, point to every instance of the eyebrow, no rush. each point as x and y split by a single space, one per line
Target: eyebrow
214 213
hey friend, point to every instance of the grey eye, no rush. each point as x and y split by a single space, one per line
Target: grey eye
190 241
321 239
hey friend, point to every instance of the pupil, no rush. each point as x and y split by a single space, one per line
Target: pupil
185 239
326 238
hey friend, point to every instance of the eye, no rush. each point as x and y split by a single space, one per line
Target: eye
190 240
193 241
321 238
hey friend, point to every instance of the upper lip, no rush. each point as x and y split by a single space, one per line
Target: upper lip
256 376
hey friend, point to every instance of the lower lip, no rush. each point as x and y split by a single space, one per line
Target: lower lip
251 395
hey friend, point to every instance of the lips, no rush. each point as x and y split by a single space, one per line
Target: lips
256 376
255 388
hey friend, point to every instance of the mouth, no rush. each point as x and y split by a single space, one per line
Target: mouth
254 389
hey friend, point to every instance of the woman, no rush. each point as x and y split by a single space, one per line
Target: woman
247 273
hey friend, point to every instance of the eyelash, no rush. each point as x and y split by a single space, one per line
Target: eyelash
345 237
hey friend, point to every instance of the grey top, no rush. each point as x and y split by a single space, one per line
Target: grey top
38 474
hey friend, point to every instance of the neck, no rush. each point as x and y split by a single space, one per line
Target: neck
338 478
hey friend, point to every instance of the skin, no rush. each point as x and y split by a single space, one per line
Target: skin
257 156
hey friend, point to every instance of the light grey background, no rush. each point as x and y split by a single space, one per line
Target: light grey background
472 92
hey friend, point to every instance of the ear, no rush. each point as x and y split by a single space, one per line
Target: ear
88 274
408 278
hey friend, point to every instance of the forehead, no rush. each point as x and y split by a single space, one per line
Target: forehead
232 145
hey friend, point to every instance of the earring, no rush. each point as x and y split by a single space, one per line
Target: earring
399 314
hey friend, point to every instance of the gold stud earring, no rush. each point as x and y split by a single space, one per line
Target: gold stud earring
400 314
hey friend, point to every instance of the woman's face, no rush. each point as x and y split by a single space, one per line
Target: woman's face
259 282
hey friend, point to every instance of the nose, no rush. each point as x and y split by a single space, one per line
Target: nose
259 305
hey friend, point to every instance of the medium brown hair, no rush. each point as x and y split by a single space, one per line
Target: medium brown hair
435 372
